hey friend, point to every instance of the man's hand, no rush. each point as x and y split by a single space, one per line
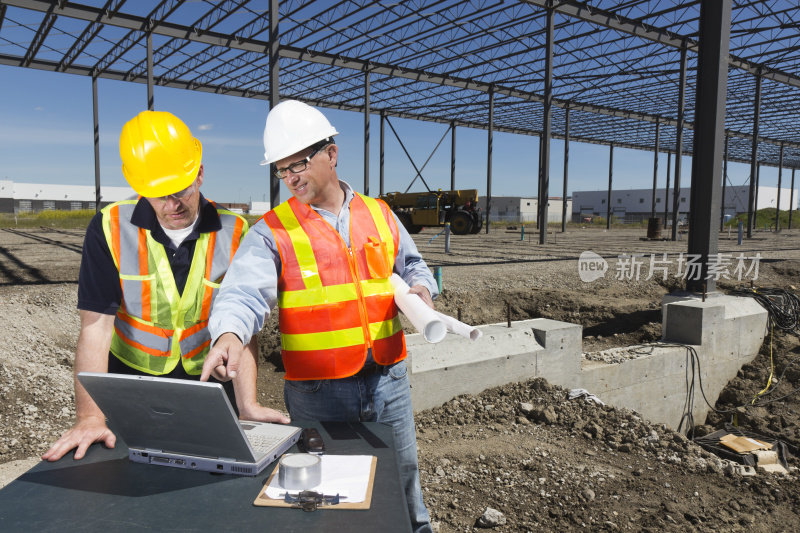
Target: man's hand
223 359
423 292
83 434
259 413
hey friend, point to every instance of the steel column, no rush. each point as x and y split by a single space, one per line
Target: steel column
666 190
566 171
791 201
655 170
452 155
150 98
544 169
709 136
97 195
778 199
758 182
366 133
751 204
382 157
489 140
676 196
274 89
724 183
610 179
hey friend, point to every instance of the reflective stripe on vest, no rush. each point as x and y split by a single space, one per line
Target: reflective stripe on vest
156 326
336 302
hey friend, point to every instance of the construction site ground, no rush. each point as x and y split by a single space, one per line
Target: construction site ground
544 462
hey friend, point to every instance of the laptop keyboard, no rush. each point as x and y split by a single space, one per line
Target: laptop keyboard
263 443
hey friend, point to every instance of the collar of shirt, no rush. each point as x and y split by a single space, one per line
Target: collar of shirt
340 223
145 217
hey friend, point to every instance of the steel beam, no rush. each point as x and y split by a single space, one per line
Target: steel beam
637 28
150 99
666 189
791 201
452 155
778 199
712 86
489 140
724 183
366 133
96 124
274 89
382 156
655 171
751 206
544 169
566 172
676 197
610 181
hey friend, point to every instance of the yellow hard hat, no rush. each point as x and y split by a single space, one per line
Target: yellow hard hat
159 154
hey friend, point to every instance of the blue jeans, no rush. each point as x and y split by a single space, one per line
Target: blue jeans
384 397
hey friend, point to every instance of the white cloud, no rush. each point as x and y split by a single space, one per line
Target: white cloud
231 141
205 127
38 108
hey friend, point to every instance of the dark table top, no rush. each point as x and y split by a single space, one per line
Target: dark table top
106 492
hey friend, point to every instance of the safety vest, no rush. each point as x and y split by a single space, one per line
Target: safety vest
336 302
156 326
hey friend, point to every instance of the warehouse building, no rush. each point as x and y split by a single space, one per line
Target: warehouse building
519 209
635 205
17 198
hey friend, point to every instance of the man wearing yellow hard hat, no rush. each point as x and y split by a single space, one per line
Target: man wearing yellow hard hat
149 275
325 257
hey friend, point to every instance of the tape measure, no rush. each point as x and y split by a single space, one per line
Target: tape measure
299 471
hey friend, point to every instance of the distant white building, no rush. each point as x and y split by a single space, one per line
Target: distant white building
518 209
18 197
258 208
634 205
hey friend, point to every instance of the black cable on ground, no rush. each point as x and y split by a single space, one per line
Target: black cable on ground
783 309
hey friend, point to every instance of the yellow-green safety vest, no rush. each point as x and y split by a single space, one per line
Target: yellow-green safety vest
156 326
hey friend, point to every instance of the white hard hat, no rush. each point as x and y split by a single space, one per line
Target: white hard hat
293 126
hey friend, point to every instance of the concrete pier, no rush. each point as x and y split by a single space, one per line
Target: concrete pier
725 332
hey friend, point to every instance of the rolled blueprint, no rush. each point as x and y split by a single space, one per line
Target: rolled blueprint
423 318
459 328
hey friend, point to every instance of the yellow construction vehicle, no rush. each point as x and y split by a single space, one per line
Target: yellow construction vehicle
434 208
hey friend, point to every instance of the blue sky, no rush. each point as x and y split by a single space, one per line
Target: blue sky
46 137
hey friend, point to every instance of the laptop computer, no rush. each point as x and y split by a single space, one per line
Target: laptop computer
185 424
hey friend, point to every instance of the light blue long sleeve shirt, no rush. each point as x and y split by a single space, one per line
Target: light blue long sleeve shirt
250 288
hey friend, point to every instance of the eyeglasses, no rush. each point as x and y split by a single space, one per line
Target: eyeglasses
298 166
180 195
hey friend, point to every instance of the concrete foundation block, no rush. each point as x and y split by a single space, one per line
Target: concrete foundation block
455 366
724 332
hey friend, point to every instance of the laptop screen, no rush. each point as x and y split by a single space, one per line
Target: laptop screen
169 415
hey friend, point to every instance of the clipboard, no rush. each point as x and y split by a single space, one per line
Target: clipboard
262 500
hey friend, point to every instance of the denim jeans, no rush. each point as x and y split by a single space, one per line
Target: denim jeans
384 397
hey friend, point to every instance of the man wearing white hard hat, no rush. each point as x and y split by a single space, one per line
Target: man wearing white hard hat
325 257
149 271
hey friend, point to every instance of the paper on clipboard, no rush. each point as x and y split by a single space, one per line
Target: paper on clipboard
346 475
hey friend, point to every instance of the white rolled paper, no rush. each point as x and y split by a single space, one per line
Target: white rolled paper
422 317
459 328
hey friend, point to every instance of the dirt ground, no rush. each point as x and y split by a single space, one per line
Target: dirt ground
522 457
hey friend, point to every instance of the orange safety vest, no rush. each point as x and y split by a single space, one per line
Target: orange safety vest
336 302
157 327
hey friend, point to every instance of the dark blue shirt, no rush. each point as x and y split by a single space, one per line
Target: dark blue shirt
99 288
